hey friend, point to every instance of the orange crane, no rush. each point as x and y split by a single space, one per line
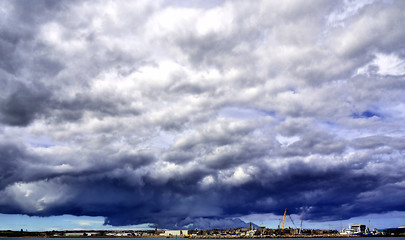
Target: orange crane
285 214
282 225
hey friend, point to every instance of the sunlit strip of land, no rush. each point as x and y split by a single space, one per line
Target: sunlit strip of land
249 232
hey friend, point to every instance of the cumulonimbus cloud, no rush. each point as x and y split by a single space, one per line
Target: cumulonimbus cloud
192 115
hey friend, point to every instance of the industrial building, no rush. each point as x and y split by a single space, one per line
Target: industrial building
358 228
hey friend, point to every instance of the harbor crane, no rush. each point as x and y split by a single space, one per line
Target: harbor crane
284 217
282 226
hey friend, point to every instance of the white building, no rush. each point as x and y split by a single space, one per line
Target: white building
174 233
355 229
358 228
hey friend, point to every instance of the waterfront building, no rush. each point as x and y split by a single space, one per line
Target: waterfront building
358 228
174 233
74 234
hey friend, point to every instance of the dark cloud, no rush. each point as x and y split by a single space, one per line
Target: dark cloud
23 104
193 115
12 158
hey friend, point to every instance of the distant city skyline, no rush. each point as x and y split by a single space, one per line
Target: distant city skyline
201 114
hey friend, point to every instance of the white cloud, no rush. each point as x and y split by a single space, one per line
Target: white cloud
385 65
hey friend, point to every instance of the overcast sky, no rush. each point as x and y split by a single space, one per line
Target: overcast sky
195 113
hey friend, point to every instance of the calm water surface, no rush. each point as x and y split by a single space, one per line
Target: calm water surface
77 238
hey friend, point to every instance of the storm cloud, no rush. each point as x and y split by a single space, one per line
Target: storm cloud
193 114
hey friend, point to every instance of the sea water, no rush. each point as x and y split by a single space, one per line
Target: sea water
117 238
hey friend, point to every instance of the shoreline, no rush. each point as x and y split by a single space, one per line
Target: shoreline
214 237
